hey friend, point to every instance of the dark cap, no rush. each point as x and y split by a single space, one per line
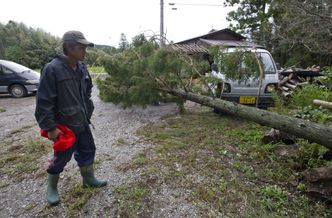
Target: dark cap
76 36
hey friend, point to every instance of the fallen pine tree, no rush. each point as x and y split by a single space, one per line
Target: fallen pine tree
145 74
311 131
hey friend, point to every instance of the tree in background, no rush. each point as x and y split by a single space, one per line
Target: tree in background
27 46
251 18
297 32
34 47
303 30
123 44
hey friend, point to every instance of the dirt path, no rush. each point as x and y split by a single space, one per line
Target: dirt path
116 144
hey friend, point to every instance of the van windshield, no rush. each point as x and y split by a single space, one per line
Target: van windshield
267 63
242 64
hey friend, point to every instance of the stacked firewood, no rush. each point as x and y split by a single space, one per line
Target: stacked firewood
291 78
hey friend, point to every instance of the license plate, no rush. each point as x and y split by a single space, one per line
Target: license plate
247 100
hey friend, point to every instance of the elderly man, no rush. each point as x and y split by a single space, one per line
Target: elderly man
63 103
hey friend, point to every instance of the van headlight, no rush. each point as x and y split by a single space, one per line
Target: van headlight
227 88
270 88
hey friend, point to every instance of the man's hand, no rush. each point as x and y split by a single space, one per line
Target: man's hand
54 134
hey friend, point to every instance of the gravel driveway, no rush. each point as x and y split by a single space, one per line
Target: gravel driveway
112 124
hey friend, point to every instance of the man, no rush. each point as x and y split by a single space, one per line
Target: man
63 99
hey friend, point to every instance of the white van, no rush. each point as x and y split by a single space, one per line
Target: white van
247 91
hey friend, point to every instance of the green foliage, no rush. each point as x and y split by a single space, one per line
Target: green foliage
142 74
305 96
300 104
251 18
274 198
282 27
238 65
312 154
326 80
96 69
34 47
314 114
27 46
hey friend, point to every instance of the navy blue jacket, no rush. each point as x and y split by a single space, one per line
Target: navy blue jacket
63 96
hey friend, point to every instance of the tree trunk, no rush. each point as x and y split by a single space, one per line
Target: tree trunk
311 131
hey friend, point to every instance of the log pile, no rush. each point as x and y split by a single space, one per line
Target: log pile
324 104
291 78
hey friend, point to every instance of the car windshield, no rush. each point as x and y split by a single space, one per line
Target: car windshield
15 67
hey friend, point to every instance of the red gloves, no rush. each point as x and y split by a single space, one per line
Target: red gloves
65 140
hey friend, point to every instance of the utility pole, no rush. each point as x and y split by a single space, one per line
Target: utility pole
162 38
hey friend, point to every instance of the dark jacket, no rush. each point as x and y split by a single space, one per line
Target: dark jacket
63 96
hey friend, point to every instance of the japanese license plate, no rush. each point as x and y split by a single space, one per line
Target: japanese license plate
247 100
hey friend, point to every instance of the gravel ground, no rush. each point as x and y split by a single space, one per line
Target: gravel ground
112 123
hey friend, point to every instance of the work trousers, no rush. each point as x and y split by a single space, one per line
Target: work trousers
84 150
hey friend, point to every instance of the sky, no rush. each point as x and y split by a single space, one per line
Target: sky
103 21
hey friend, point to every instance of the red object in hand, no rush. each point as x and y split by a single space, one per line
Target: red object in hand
65 139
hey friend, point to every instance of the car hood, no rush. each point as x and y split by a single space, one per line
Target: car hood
29 75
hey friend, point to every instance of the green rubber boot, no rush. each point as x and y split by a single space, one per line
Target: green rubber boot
52 189
89 179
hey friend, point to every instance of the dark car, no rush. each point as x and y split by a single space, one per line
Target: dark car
17 79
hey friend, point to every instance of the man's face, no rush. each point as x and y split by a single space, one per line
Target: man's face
78 52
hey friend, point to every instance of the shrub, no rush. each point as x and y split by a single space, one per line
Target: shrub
305 96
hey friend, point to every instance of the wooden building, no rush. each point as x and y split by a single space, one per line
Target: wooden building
223 38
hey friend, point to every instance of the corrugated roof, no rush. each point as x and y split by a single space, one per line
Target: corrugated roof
214 33
229 43
190 48
203 45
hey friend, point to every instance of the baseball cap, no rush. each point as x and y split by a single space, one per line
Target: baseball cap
76 36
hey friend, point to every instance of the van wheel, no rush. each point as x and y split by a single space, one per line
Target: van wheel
18 91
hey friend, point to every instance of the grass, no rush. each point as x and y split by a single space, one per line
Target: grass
2 109
22 159
21 129
76 198
223 165
120 141
132 200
